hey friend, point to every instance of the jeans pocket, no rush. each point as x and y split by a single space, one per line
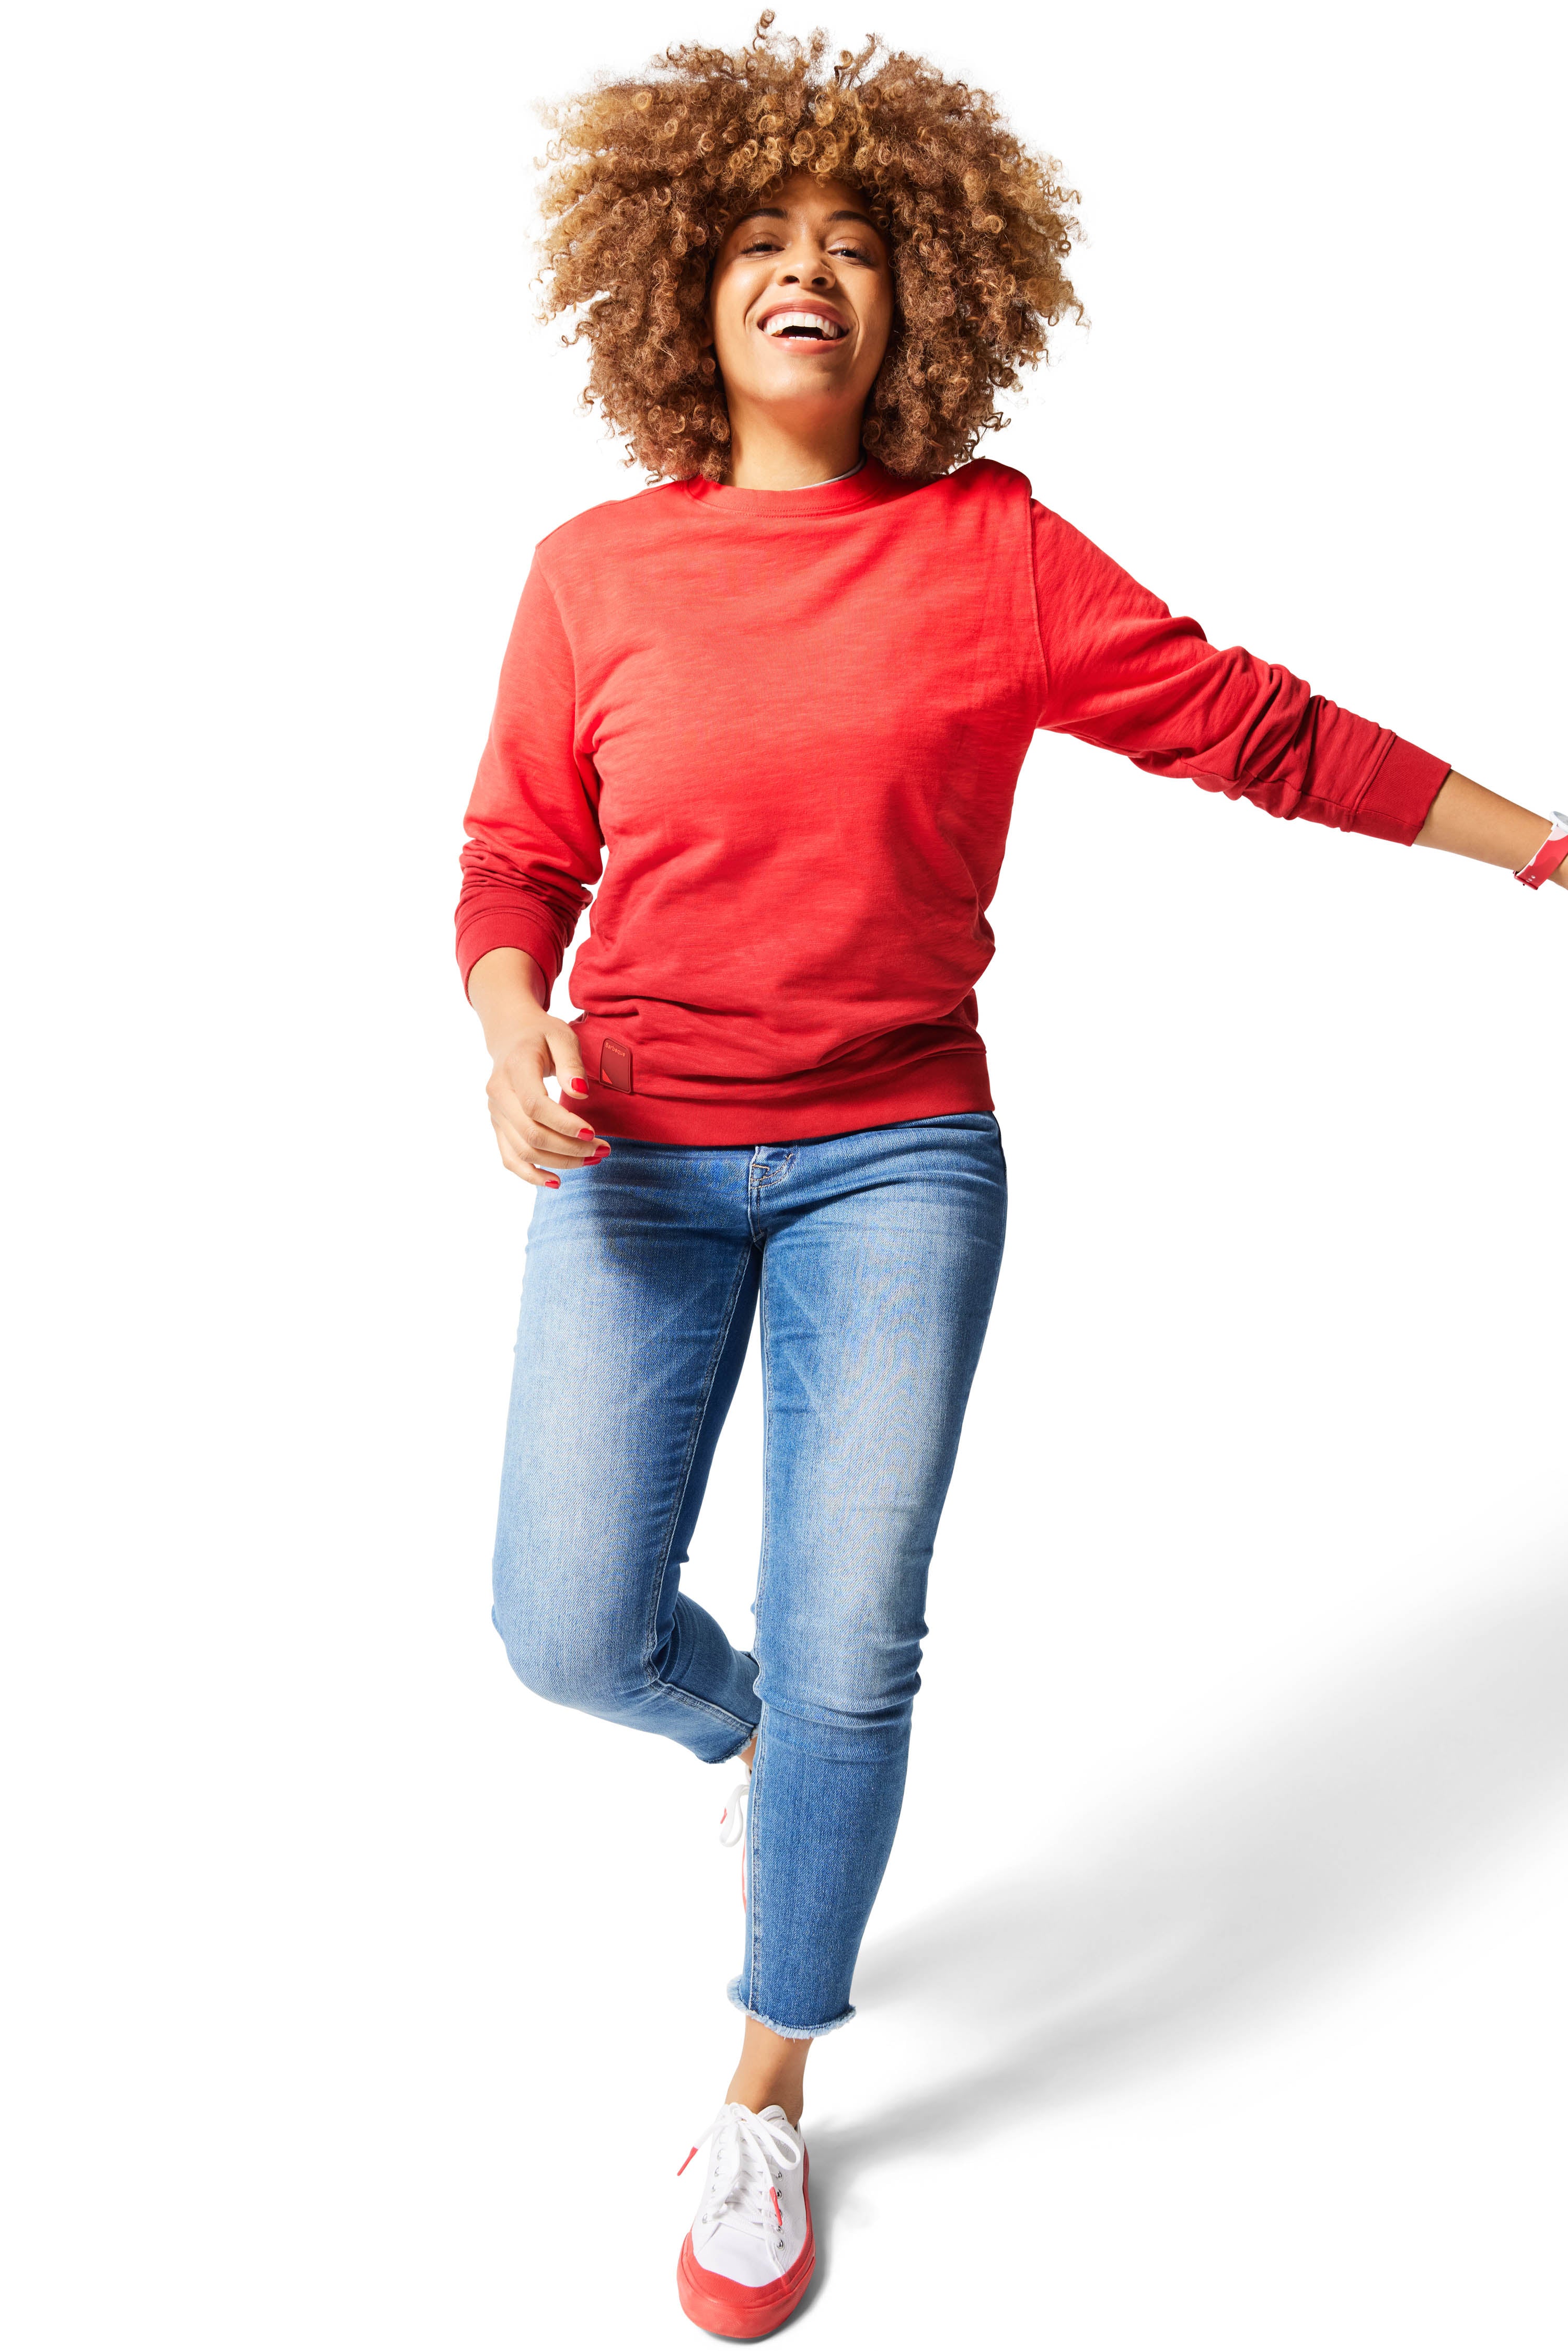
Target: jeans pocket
996 1122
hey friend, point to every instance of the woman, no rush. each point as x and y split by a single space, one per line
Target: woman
790 689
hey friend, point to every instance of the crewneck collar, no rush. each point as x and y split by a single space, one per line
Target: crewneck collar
796 487
870 485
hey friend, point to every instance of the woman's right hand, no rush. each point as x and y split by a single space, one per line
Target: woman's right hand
528 1044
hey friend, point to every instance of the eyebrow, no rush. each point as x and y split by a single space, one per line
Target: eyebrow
777 212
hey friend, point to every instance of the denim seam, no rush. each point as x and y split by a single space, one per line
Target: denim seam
759 1606
740 1745
671 1689
753 1878
705 1706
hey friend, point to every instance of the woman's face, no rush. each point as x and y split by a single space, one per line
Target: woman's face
800 306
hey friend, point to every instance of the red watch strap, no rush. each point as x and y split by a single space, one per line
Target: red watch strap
1548 857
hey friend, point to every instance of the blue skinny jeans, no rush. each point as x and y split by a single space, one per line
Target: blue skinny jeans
874 1256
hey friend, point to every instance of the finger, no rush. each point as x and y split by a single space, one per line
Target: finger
544 1149
512 1158
555 1127
537 1120
541 1158
565 1058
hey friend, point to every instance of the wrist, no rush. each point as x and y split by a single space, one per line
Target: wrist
511 995
517 1027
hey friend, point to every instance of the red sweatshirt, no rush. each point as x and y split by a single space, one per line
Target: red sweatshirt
795 720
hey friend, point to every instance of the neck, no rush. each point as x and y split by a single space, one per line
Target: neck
765 454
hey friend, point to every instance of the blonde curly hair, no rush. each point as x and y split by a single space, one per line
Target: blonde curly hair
646 175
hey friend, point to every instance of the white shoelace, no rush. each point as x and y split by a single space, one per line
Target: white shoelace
732 1820
751 2152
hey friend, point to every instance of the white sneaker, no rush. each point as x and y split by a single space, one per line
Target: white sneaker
749 2253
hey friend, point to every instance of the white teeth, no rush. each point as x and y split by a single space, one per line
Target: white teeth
828 328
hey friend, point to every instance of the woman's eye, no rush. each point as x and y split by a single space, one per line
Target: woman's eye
840 252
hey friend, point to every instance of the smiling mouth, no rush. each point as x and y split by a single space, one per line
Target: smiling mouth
803 327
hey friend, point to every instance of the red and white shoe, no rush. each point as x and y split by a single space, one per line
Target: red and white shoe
749 2253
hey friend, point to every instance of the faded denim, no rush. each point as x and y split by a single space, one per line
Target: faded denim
874 1256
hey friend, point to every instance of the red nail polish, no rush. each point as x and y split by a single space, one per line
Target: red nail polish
580 1085
585 1134
554 1183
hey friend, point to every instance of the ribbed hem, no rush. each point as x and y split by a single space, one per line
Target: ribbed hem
796 1114
485 933
1398 801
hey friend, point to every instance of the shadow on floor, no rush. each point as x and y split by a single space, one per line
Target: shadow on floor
1234 1894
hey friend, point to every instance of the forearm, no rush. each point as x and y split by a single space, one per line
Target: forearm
1473 822
509 991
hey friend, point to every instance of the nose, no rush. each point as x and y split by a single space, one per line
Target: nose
806 270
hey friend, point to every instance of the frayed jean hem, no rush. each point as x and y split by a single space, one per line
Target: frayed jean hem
786 2031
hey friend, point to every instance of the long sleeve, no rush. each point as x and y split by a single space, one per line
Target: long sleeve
534 844
1122 673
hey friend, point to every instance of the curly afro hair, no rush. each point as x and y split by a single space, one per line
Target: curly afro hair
645 176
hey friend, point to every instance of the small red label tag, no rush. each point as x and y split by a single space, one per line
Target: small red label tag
615 1065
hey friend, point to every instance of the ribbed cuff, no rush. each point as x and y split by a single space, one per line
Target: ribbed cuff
1396 804
508 928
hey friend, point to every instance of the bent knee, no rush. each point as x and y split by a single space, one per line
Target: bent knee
570 1658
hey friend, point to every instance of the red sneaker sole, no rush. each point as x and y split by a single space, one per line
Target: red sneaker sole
744 2313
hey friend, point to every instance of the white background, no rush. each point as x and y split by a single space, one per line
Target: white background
1215 1994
